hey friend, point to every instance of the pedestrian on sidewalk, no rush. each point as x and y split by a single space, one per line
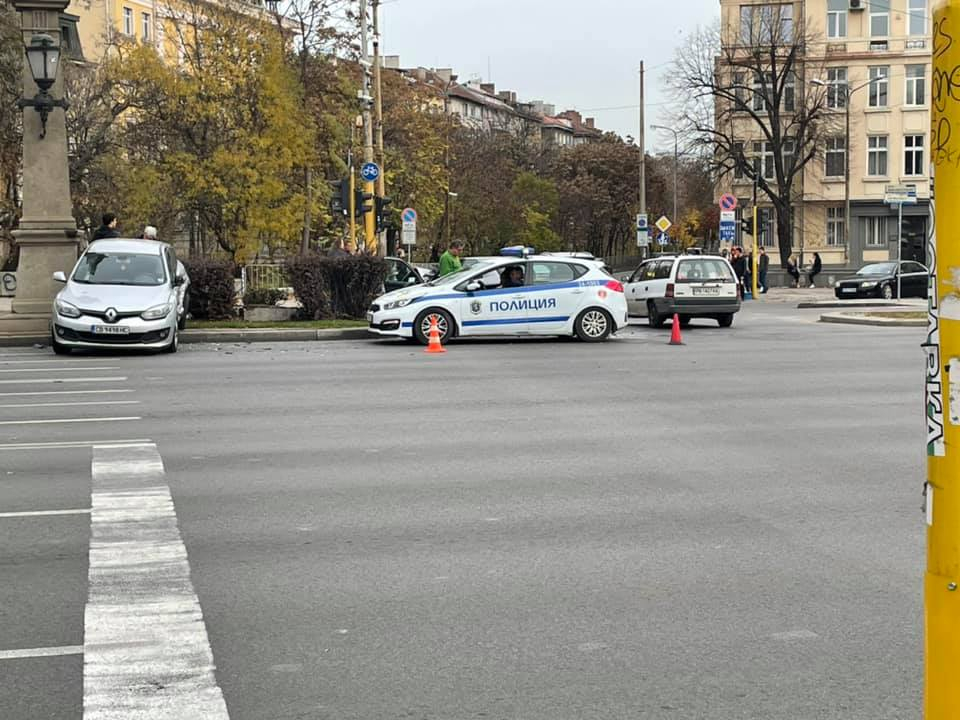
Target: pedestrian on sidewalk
149 233
108 227
815 269
739 268
748 272
793 271
450 260
763 264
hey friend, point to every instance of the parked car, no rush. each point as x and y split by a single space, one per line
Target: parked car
686 285
120 294
880 280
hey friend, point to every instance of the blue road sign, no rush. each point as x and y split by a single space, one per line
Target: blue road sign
370 172
728 232
663 239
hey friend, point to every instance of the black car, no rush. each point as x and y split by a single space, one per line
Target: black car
879 280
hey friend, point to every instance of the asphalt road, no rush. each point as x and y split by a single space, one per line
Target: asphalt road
535 530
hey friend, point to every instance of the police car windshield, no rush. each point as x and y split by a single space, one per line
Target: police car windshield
454 278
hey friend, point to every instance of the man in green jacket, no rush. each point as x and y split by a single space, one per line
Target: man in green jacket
450 260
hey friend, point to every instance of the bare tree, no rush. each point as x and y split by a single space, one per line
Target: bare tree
745 102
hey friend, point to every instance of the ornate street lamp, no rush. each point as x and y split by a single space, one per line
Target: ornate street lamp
43 57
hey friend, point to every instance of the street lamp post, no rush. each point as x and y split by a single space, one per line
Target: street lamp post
676 164
847 92
47 235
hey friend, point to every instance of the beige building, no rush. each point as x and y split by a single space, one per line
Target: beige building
877 56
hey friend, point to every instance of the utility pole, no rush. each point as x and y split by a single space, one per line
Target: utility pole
942 347
370 237
378 114
643 161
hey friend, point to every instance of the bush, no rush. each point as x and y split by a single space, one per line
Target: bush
337 287
263 296
211 288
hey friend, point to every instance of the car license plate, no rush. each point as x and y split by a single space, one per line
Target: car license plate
706 291
850 290
109 330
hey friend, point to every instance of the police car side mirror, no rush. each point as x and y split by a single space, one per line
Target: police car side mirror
474 285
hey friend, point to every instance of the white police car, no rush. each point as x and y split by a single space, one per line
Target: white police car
533 295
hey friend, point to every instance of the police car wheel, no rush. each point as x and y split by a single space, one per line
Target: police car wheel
593 325
421 326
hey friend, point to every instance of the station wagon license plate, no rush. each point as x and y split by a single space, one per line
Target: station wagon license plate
706 291
848 290
109 330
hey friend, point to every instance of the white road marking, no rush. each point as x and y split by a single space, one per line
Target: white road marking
41 652
87 368
45 513
71 404
63 392
115 378
146 651
66 444
67 420
71 363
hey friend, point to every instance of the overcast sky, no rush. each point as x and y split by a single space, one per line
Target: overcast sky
581 55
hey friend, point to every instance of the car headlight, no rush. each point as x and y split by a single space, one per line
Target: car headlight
868 284
67 310
836 284
157 312
398 304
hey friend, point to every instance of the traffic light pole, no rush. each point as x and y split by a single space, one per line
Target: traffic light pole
942 348
753 261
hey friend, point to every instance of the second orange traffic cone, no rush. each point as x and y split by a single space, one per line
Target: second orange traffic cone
675 338
434 346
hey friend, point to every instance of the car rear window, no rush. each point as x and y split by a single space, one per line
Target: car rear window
703 269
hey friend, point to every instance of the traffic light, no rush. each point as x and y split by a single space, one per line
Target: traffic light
363 202
746 225
340 198
380 217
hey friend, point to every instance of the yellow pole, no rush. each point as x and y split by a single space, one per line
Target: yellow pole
370 221
942 346
353 211
753 262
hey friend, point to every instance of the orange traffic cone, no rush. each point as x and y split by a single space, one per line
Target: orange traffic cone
675 338
434 345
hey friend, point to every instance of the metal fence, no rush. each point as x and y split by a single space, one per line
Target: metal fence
265 276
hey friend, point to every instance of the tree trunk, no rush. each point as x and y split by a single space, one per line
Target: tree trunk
784 233
307 212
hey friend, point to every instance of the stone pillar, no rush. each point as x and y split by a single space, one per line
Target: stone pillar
48 233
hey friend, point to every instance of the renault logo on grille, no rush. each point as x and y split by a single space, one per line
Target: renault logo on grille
111 315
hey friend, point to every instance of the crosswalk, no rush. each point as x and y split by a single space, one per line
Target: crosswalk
140 638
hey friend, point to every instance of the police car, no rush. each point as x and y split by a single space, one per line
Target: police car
525 295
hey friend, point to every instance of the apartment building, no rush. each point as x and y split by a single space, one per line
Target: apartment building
875 56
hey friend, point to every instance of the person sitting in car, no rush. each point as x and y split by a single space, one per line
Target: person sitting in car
512 277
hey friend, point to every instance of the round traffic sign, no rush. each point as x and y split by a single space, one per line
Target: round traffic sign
409 215
370 171
728 202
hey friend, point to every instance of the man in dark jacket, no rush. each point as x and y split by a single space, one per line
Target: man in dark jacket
763 263
108 227
739 264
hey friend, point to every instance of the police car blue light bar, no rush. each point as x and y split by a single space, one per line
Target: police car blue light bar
517 251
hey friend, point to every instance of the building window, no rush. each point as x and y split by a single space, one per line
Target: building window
916 85
877 155
760 89
880 18
876 231
738 160
145 27
788 154
836 157
837 18
917 23
739 95
913 155
835 221
763 159
767 223
879 84
836 88
770 24
128 21
789 93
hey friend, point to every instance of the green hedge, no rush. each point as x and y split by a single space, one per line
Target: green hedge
336 287
263 296
211 288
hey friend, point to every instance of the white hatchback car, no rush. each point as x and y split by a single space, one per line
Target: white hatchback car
534 295
686 285
121 293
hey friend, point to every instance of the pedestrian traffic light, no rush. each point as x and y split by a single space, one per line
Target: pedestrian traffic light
382 203
746 226
340 198
363 202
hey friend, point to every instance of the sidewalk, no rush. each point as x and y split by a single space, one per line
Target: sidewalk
796 295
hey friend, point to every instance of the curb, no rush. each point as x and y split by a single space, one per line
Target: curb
806 305
848 319
227 335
